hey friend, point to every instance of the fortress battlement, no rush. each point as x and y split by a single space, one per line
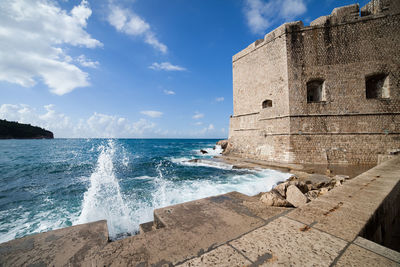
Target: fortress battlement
340 15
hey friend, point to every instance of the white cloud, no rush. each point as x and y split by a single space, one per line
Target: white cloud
97 125
209 129
127 22
198 123
169 92
293 8
262 14
33 35
83 61
198 115
102 125
219 99
166 66
50 119
152 113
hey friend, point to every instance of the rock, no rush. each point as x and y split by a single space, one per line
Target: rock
323 191
318 181
293 178
203 151
337 183
310 187
341 177
295 197
313 194
223 143
300 185
194 160
273 198
281 188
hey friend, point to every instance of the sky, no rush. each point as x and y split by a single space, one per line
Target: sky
132 68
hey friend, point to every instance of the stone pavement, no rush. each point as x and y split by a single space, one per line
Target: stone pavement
324 232
237 230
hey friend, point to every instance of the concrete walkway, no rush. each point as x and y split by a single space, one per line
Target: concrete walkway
238 230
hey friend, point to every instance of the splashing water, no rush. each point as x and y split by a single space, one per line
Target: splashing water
104 200
119 180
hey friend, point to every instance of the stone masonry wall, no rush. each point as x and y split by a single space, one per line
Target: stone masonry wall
341 49
346 127
259 74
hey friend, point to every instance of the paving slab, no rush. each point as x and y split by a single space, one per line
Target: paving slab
287 242
224 256
222 209
358 256
68 246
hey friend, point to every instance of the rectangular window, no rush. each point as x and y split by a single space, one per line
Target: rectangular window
377 86
316 91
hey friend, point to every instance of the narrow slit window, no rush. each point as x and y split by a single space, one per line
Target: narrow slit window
377 86
267 104
316 91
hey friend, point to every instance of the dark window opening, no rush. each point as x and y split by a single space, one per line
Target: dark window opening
267 103
316 91
377 86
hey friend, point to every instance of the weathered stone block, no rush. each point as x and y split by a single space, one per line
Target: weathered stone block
295 197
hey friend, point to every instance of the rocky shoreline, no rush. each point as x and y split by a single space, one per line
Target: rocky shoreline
296 191
305 184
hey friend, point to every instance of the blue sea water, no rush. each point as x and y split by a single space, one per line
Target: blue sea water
50 184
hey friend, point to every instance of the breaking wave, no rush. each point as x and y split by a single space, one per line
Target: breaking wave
121 181
103 199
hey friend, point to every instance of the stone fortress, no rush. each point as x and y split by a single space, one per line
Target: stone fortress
324 93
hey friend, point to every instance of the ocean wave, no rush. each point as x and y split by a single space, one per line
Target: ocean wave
103 199
195 162
114 185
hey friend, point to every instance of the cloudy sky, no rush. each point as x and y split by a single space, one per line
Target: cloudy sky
131 68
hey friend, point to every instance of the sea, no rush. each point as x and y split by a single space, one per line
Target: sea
51 184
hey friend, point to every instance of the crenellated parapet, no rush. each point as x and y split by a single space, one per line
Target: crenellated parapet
343 14
340 15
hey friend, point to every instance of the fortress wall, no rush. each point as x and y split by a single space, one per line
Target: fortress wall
343 55
341 149
262 139
341 49
255 146
347 127
346 124
259 74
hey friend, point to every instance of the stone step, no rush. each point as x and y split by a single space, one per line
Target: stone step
146 227
186 230
63 247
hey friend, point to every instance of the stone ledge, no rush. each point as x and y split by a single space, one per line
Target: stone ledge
67 246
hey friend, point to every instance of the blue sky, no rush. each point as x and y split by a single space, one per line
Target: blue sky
143 68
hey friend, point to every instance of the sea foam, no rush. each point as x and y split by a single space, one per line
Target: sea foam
103 199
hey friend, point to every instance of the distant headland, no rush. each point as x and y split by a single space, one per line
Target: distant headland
15 130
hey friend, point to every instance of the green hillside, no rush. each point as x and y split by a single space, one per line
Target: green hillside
15 130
